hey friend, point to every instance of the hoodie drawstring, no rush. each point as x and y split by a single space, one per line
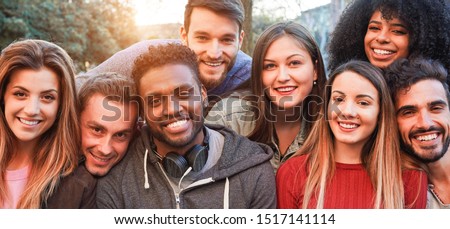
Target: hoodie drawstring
226 195
146 184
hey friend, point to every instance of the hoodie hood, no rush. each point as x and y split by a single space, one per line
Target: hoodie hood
240 153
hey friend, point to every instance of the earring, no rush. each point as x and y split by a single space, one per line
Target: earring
315 82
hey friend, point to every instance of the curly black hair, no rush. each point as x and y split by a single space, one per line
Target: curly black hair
428 22
161 55
403 73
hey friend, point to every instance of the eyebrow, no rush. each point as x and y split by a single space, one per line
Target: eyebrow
437 102
293 55
177 89
406 107
46 91
98 125
392 24
206 33
357 96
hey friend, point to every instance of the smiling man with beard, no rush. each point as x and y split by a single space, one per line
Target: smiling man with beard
214 31
421 96
177 161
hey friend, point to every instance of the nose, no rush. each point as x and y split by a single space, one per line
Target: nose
32 107
105 145
214 50
424 120
348 110
171 105
283 74
383 36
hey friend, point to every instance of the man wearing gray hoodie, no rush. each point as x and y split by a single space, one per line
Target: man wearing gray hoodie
177 161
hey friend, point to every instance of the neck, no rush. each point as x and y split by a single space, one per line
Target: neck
440 172
347 153
163 148
23 154
287 116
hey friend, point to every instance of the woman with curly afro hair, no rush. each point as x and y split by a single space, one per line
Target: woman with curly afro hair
381 31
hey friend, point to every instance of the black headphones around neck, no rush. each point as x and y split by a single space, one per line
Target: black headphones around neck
176 165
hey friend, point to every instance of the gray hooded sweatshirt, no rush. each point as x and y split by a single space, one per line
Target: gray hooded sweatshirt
242 178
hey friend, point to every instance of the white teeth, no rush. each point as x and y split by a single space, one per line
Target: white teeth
285 89
100 159
348 126
177 123
213 64
30 123
382 52
427 137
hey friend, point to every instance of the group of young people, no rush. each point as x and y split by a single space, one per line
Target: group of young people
197 123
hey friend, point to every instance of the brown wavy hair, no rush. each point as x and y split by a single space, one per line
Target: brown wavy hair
56 154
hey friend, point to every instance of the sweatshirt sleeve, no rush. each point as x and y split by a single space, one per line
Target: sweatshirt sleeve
415 185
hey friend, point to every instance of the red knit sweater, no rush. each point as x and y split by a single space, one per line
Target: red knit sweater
349 188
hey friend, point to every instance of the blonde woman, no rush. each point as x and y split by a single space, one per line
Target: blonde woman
352 158
39 133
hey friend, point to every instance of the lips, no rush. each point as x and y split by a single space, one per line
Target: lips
348 125
383 52
29 122
213 64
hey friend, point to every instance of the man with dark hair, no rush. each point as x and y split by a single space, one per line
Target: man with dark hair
109 111
177 161
213 29
421 96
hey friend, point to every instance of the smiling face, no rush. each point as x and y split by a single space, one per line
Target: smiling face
174 107
216 43
423 118
385 41
353 109
31 103
104 140
288 72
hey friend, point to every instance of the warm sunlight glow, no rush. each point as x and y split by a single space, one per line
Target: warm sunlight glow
152 12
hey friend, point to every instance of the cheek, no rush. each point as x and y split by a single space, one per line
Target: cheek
267 79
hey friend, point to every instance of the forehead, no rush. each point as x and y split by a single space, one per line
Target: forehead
42 79
216 23
165 79
421 93
111 114
352 83
286 45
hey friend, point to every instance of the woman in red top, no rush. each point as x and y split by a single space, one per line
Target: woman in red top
352 157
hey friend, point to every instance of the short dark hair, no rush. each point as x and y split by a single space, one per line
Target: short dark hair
113 85
232 9
404 73
161 55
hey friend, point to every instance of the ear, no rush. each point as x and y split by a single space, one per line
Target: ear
204 95
241 38
183 35
315 70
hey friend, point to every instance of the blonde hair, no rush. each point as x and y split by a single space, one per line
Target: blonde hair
56 154
381 153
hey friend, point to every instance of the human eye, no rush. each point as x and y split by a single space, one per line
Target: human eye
295 63
121 136
400 31
96 130
269 66
48 98
19 94
364 102
228 40
338 99
372 27
201 38
154 101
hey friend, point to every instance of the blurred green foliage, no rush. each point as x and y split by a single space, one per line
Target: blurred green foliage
89 30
